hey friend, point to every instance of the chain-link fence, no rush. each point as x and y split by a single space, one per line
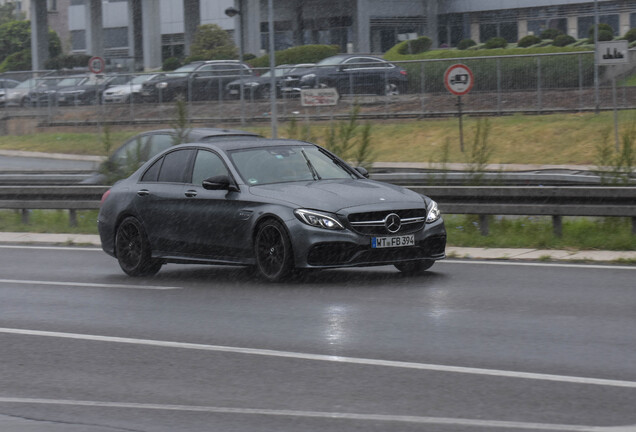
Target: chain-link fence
502 85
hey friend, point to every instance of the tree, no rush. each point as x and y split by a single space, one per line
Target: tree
15 45
211 42
8 13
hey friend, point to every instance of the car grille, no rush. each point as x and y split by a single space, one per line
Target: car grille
373 223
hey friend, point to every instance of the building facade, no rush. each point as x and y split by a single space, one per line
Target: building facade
145 32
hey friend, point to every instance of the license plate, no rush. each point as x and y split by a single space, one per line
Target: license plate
396 241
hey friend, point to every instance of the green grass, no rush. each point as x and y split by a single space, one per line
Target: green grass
49 221
542 139
536 232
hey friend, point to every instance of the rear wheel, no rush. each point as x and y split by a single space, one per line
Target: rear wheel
414 267
272 248
133 249
264 93
392 88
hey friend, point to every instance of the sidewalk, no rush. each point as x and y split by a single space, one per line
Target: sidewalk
451 252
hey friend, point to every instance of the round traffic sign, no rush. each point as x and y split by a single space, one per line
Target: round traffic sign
459 79
96 65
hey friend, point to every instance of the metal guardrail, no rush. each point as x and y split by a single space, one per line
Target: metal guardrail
483 201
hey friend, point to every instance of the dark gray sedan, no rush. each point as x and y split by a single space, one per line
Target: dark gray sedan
277 205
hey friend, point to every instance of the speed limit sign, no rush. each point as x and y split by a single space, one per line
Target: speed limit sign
96 65
459 79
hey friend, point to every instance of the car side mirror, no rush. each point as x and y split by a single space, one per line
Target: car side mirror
362 171
220 182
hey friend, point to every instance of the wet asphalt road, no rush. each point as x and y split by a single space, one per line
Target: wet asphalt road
469 347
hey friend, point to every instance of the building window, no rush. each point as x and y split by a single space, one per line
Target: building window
535 27
116 37
78 40
52 5
586 23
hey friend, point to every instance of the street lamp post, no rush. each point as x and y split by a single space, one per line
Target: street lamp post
272 67
232 12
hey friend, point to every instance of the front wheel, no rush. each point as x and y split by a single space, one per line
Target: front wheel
273 251
133 249
414 267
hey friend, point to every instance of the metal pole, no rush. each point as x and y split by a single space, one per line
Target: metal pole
272 67
461 124
240 46
596 79
615 102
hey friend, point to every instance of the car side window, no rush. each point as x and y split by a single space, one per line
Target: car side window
152 173
159 143
206 165
174 167
133 149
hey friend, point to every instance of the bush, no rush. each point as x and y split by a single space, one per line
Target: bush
527 41
465 44
550 33
496 42
213 43
601 28
171 64
298 54
415 46
68 61
18 61
563 40
630 36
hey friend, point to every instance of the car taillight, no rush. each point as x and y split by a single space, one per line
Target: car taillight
104 197
403 72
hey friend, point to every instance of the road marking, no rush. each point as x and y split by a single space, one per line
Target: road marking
64 248
319 414
329 358
87 284
538 264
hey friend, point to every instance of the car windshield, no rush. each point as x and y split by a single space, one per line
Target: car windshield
183 71
67 82
289 163
142 78
28 83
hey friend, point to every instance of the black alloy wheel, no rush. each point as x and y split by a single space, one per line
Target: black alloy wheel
414 267
264 93
274 260
133 249
392 88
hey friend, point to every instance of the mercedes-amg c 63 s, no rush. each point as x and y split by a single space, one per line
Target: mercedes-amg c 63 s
277 205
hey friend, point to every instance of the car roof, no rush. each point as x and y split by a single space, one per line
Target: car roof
197 134
234 143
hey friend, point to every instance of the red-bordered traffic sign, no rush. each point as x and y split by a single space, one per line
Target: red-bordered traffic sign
459 79
96 65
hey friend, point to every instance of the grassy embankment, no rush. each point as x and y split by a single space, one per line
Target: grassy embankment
548 140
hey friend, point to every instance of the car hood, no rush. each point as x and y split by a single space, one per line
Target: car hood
337 195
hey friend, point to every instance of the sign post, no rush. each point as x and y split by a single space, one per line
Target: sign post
613 53
459 80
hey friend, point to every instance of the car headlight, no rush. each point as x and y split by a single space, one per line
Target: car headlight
251 84
318 219
433 212
162 85
308 77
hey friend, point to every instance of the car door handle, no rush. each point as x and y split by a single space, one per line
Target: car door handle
191 193
143 192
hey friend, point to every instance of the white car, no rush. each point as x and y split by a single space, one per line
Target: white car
123 93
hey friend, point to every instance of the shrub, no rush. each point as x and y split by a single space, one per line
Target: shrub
415 46
630 36
550 33
496 42
601 28
213 43
171 64
465 44
298 54
563 40
18 61
527 41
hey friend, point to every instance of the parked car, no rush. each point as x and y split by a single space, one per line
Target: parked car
141 147
5 85
258 87
276 205
202 80
123 93
46 89
356 74
88 92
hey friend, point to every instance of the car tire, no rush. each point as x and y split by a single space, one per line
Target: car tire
414 267
264 93
392 88
273 251
132 249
